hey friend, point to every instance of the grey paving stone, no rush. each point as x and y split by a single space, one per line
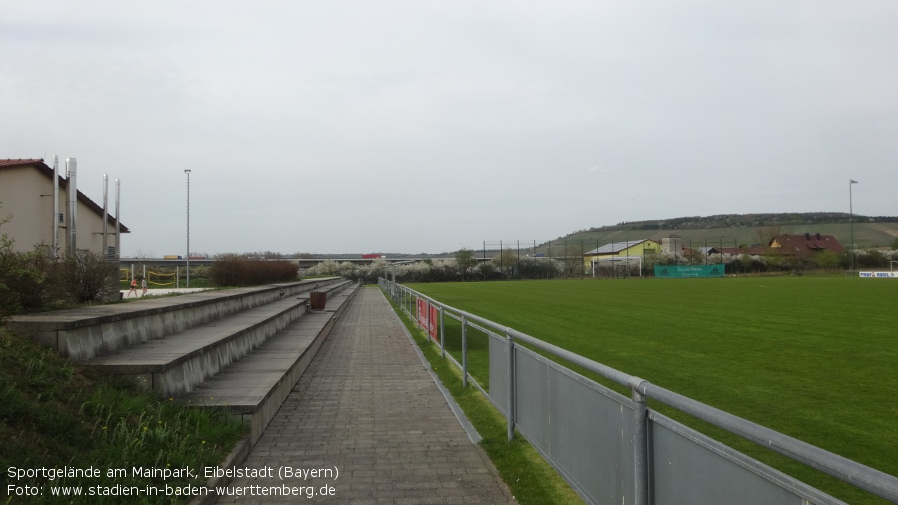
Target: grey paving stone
368 409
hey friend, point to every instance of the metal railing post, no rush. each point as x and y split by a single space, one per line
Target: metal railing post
464 351
416 306
509 347
442 335
640 444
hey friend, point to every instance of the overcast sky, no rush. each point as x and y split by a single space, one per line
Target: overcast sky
424 126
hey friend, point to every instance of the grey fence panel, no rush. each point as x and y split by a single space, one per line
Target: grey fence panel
690 468
499 374
582 428
534 409
685 460
604 464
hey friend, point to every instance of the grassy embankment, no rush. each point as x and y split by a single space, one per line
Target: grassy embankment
55 414
812 357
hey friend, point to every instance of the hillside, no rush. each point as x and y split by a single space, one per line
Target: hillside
750 220
727 229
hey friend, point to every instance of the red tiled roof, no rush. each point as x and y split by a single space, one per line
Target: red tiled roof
20 162
803 245
42 167
789 245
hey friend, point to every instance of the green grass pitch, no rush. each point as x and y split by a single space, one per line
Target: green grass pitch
812 357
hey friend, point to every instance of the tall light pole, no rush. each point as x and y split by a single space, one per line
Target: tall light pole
187 171
851 225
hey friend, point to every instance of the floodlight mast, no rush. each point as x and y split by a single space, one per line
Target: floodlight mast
187 171
851 262
118 223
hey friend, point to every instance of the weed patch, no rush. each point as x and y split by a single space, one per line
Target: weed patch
55 415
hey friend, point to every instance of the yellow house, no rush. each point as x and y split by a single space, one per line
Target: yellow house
621 251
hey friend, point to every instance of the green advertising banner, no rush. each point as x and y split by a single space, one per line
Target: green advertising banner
688 271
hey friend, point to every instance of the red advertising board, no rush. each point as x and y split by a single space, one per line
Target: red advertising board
428 318
434 321
422 313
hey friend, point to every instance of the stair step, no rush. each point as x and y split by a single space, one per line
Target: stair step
86 332
255 387
174 364
241 349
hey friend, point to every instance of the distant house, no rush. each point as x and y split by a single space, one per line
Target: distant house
800 246
803 246
618 251
26 195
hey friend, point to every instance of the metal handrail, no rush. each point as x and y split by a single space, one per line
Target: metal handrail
861 476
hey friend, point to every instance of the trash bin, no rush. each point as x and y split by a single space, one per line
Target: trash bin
317 300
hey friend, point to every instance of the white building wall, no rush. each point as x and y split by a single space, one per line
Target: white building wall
26 195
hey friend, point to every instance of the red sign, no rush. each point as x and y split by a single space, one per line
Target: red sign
422 313
434 320
428 318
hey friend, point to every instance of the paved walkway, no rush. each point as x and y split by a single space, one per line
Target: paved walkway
367 425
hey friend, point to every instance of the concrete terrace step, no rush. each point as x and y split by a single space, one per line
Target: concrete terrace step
241 349
175 363
86 332
255 387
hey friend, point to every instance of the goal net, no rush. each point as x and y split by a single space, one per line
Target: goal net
617 266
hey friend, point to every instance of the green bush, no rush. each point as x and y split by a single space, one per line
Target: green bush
87 277
32 281
26 279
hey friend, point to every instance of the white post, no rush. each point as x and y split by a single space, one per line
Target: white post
71 165
55 246
106 216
